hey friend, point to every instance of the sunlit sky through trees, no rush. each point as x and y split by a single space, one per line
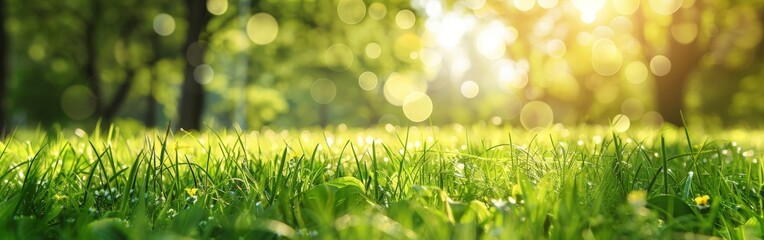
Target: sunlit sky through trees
529 63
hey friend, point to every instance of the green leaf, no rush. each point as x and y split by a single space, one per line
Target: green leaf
187 221
337 196
108 228
670 206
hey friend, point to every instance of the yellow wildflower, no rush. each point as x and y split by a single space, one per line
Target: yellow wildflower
637 198
191 191
702 200
59 197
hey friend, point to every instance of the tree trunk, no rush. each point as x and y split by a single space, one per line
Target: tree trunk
192 98
119 98
151 101
3 69
90 69
671 89
151 104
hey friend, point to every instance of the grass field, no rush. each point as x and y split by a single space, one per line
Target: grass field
450 182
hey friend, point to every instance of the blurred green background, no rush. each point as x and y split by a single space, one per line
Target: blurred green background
302 63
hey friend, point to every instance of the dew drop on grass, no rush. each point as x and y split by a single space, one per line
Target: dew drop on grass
748 153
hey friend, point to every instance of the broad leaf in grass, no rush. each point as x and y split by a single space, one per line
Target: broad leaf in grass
187 221
676 212
108 228
337 196
474 211
427 221
670 206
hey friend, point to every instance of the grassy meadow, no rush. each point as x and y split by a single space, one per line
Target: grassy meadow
449 182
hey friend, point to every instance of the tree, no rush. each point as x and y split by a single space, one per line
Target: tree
3 69
694 36
192 99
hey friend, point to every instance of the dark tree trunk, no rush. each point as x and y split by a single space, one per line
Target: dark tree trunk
671 89
3 69
110 111
119 98
90 68
192 93
151 104
151 101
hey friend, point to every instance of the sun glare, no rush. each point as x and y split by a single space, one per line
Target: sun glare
589 9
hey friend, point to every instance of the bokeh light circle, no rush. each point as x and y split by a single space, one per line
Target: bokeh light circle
164 24
470 89
323 91
660 65
262 28
606 58
405 19
217 7
636 72
351 11
377 11
621 123
626 7
536 114
78 102
373 50
368 81
684 33
203 74
524 5
339 57
490 44
665 7
652 119
417 106
633 108
195 53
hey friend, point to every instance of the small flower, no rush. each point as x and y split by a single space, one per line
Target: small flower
171 212
637 198
191 191
702 201
59 197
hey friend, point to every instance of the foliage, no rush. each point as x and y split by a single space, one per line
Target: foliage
475 60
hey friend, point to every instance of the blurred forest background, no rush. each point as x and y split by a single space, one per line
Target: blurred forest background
300 63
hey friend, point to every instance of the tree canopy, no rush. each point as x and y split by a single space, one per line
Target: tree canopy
305 63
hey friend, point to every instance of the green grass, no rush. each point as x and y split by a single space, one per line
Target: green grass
450 182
